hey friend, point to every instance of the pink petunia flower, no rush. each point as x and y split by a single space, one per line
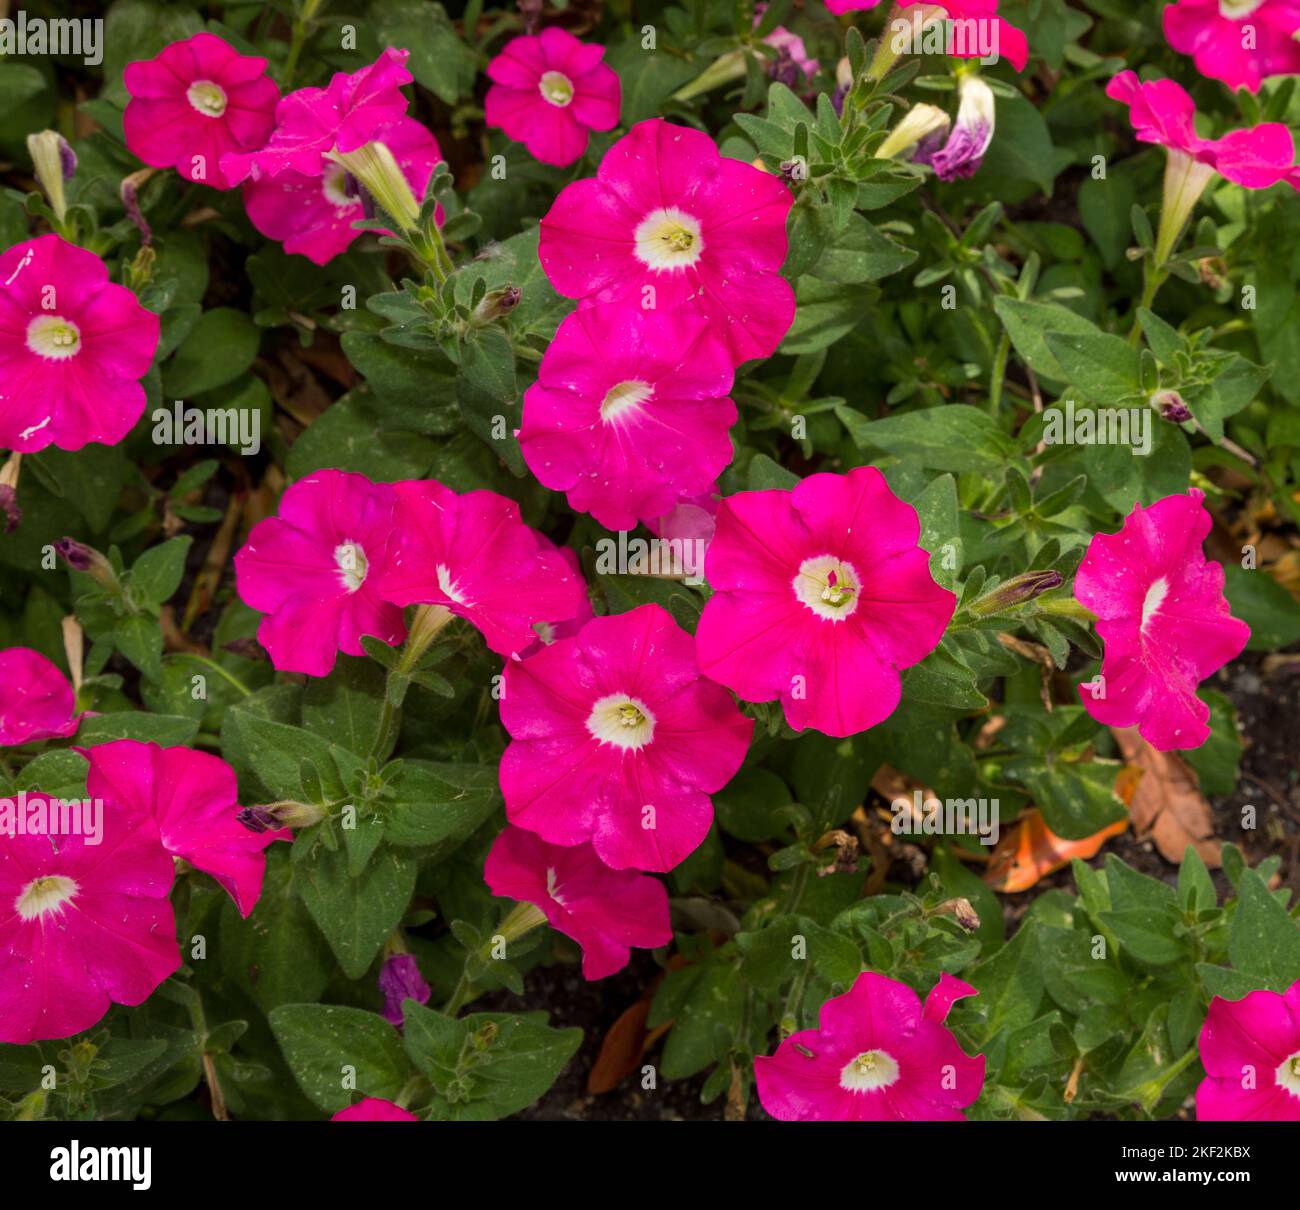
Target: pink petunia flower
974 28
820 596
1250 1049
36 701
605 911
630 412
1163 113
876 1056
313 571
1241 42
374 1109
793 65
192 797
312 122
1163 618
548 92
313 215
73 347
617 739
82 924
197 101
667 221
474 556
400 980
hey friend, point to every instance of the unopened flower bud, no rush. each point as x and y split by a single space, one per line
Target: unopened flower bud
80 557
961 911
54 162
129 192
1171 407
283 814
920 122
9 492
1017 590
400 979
495 304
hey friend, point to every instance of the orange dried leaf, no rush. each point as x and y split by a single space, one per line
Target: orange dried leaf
1031 850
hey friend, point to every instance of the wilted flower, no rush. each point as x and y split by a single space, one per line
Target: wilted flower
400 980
962 154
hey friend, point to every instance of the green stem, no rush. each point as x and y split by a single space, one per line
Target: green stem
999 372
298 38
1153 277
797 887
229 676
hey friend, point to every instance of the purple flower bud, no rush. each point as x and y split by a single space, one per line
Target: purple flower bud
67 159
400 979
9 506
129 192
257 819
496 303
1017 590
82 558
1171 407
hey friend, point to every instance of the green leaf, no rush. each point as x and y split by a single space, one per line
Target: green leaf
277 955
485 1066
345 706
1265 939
1216 761
707 1023
1029 324
1103 367
169 730
328 1048
278 752
955 437
219 348
440 60
435 803
1264 605
157 573
356 912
